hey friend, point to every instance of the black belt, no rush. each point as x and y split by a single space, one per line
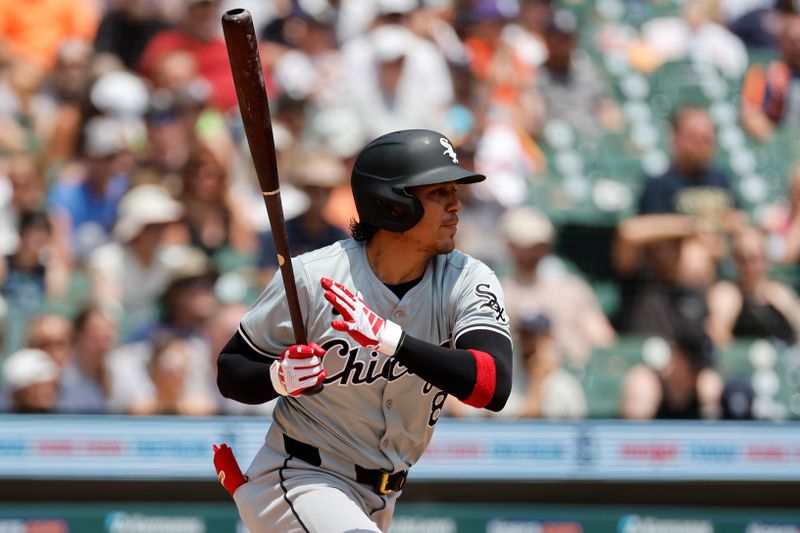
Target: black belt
380 481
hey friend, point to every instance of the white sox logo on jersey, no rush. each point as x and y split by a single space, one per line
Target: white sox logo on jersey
448 150
491 301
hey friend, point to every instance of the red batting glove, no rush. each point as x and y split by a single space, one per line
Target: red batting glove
361 322
228 471
299 369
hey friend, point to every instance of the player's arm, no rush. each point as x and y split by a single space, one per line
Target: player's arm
477 370
243 372
256 365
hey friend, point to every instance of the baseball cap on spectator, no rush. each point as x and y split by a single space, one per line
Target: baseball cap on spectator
533 322
737 400
296 74
188 265
564 22
27 367
526 226
339 131
103 137
396 7
319 170
190 273
121 94
494 10
144 205
390 42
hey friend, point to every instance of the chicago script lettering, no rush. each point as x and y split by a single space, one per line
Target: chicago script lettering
357 371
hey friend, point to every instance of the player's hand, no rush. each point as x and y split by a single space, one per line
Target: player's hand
361 322
298 370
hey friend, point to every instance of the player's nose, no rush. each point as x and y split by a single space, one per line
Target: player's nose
454 205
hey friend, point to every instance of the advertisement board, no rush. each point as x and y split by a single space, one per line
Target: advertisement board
409 518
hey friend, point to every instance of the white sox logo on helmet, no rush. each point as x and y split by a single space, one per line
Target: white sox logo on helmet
448 150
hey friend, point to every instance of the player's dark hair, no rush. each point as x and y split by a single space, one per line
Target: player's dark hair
362 231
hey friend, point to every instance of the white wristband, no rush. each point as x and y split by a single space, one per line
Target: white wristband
275 378
390 338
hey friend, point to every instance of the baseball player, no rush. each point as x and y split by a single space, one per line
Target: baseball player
399 319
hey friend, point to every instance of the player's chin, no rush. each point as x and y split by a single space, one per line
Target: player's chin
447 245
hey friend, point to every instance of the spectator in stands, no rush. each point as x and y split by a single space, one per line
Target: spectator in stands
216 333
199 33
551 392
33 273
130 274
526 32
30 380
771 93
302 54
491 58
213 221
171 132
696 35
574 89
34 31
316 177
67 86
539 281
84 209
25 113
754 305
692 186
395 79
783 223
756 23
187 305
189 299
84 381
51 333
126 28
663 269
169 371
23 177
685 386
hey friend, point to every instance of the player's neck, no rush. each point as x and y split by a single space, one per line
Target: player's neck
394 263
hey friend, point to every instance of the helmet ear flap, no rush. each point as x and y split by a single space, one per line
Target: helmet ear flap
400 212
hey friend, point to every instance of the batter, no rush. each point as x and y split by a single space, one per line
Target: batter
399 319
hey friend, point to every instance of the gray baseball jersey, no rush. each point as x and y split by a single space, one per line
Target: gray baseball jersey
373 411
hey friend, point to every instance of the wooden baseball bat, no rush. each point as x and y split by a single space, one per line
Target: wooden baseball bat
248 77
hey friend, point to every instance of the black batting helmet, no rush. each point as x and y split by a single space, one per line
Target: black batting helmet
387 166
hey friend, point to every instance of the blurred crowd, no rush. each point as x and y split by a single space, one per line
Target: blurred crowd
133 236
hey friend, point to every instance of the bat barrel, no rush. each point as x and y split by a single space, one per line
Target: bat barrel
248 77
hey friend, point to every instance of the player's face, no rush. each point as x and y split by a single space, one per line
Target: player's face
435 232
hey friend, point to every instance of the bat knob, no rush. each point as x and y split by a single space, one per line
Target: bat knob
236 16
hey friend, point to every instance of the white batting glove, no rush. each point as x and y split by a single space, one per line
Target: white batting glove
361 322
298 369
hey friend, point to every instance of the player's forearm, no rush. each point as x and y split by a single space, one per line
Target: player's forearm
244 376
477 371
